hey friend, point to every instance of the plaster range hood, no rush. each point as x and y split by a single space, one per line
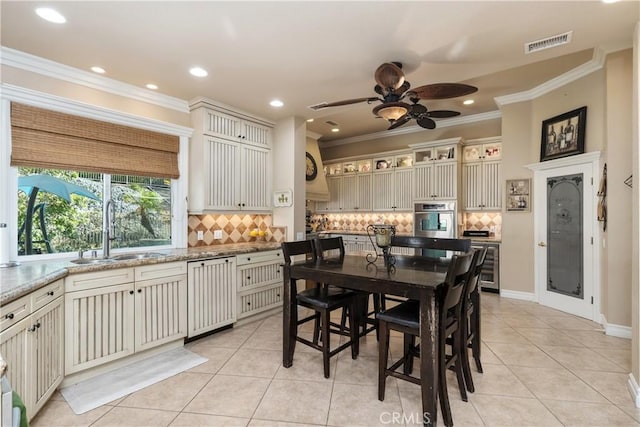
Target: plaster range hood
317 189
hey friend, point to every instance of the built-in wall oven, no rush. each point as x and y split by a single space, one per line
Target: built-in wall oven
435 219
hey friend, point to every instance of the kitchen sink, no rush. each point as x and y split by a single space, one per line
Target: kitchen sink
145 255
91 261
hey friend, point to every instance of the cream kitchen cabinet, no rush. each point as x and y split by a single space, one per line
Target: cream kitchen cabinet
481 175
334 204
237 177
436 170
392 190
31 342
230 162
122 311
259 281
356 243
212 294
356 192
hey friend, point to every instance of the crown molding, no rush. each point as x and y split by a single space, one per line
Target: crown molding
313 135
596 63
454 121
24 61
65 105
578 159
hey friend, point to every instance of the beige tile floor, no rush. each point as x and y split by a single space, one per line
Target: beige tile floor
541 368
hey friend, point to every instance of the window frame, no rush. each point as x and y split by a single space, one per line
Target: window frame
9 175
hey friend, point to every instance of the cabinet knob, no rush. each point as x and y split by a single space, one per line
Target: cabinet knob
130 292
248 277
139 291
9 316
202 264
50 293
226 260
248 302
248 259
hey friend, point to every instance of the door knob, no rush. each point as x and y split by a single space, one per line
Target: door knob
542 244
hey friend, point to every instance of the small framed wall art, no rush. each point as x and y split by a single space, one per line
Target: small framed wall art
282 198
518 195
563 135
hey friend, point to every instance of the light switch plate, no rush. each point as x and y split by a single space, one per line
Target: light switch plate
200 235
217 234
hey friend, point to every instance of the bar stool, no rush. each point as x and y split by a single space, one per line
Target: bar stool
327 247
323 300
405 318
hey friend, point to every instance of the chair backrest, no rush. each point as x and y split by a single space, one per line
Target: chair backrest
474 273
300 247
455 281
322 246
421 242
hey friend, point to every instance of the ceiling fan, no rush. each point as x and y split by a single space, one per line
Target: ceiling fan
393 89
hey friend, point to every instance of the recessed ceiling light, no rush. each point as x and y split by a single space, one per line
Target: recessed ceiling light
276 103
335 130
198 72
51 15
610 1
468 102
152 86
309 120
98 70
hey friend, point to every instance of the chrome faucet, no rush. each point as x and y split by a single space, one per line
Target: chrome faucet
107 230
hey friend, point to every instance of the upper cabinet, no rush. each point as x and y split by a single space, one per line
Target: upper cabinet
436 170
481 174
230 162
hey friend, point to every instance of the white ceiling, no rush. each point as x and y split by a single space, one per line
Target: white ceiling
308 52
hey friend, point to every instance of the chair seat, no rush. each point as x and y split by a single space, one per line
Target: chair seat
328 298
406 314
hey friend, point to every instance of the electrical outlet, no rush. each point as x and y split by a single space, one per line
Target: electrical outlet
217 234
299 235
200 235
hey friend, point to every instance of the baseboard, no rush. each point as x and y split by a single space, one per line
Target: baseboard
616 330
525 296
634 389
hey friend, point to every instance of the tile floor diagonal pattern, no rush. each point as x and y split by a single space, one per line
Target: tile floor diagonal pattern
541 368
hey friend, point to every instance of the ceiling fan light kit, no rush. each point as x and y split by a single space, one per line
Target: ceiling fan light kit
393 88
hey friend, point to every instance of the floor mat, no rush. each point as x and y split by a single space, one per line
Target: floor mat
104 388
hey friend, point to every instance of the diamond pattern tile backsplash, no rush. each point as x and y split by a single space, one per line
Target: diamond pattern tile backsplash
483 221
236 228
403 222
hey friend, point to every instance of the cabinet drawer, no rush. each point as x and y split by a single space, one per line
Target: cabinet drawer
259 274
264 299
148 272
44 296
259 257
14 312
78 282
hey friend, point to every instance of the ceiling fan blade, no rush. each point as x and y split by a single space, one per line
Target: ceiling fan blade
389 76
344 102
426 123
442 114
402 120
444 90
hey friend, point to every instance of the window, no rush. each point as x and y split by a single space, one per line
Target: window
67 210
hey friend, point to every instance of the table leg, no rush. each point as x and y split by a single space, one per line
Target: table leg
289 318
429 358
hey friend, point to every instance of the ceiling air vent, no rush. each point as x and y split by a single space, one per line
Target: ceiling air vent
331 122
547 43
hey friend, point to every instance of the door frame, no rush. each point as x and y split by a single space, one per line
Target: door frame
590 190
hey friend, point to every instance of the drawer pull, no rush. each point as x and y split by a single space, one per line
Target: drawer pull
34 327
50 293
9 316
249 259
130 292
202 264
139 291
226 260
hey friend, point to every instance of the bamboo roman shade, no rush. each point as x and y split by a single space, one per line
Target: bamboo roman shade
48 139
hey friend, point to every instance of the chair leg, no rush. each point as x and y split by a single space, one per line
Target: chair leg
383 356
457 348
354 330
475 328
326 341
442 389
316 328
409 342
464 358
343 319
376 309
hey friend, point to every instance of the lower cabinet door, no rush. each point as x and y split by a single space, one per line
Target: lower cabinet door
99 326
211 295
13 347
45 352
161 311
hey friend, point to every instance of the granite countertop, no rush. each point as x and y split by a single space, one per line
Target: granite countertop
490 239
16 282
